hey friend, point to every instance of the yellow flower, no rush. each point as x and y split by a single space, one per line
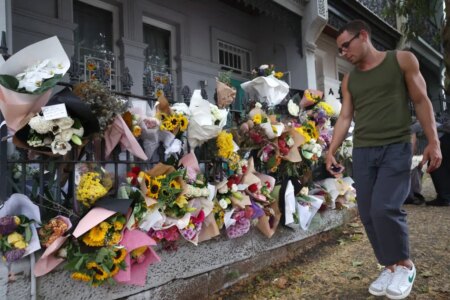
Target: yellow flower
167 125
115 239
326 107
137 131
87 240
312 130
20 245
121 253
279 75
114 270
17 220
174 121
104 225
14 238
81 276
100 274
138 251
118 225
225 144
90 189
159 93
303 133
175 184
162 116
257 119
181 201
153 188
183 121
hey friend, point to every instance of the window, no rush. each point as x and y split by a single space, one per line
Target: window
233 58
94 42
158 75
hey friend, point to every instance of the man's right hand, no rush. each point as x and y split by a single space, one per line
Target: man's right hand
333 167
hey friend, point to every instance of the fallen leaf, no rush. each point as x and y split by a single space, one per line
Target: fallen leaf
280 282
357 263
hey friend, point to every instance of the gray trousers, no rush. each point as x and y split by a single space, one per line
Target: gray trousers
382 181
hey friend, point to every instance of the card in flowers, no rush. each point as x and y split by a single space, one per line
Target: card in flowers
27 77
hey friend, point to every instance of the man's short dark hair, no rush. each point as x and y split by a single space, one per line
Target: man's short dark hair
354 27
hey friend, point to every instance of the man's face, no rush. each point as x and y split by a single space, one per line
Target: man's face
349 46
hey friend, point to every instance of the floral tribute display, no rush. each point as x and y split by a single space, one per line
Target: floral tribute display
265 172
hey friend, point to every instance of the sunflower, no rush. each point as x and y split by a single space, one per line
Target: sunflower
153 188
81 276
166 125
118 225
137 131
183 121
175 184
174 121
105 225
89 242
311 129
121 253
97 234
115 238
100 274
114 270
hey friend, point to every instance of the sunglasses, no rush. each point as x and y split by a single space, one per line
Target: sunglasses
347 44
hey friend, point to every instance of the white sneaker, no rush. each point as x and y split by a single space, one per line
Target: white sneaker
379 286
401 283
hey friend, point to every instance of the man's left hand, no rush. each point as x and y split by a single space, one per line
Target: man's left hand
432 154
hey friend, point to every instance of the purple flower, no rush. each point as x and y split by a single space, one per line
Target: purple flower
13 255
7 225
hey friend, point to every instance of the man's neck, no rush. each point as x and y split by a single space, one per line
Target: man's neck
372 59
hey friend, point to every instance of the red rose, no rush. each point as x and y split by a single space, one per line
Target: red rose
253 188
136 170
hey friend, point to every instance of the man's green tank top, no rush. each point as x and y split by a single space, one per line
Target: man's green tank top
380 102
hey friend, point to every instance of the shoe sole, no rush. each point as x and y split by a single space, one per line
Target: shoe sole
375 293
403 296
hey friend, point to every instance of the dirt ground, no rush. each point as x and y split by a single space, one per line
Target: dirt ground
343 268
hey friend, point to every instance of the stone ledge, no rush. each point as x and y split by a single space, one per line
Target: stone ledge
191 272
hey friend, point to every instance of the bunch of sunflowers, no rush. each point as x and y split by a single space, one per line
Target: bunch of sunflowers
107 233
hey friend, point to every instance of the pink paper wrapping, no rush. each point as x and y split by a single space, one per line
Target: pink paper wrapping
48 260
136 273
91 219
17 108
305 102
118 132
190 162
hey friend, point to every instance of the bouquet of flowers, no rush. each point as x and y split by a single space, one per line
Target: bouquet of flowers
310 97
27 79
133 123
206 120
106 233
267 86
225 92
53 229
15 236
98 267
18 220
92 183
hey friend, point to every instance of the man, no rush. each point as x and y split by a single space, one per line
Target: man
375 94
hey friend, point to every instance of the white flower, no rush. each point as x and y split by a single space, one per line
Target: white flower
223 189
263 67
293 108
40 125
223 203
60 147
31 79
64 123
79 131
234 187
258 105
215 113
64 135
304 191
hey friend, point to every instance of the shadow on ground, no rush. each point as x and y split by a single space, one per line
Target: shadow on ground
343 268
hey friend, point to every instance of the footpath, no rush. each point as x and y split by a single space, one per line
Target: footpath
344 266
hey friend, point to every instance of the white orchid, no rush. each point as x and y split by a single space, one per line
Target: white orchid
31 79
60 147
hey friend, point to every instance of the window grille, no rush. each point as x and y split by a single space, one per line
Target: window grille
234 58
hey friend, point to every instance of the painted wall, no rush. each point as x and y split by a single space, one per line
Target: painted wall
198 23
